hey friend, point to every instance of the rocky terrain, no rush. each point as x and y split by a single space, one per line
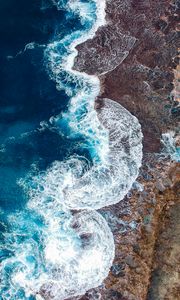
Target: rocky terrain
135 56
136 59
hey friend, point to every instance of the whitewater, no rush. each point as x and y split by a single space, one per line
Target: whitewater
60 246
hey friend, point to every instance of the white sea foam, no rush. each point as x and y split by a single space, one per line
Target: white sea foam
79 262
86 89
114 134
75 255
107 183
75 252
72 184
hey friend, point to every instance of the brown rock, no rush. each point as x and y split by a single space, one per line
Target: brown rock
135 56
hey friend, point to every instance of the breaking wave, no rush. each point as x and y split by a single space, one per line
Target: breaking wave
62 257
50 251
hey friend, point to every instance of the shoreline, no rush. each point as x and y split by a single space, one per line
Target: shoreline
88 192
142 83
136 80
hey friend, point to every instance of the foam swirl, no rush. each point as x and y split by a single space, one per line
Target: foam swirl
59 254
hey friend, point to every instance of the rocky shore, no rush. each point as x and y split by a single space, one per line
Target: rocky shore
136 58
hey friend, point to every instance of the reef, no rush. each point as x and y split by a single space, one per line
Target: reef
136 58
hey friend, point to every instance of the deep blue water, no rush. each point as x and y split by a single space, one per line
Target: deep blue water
27 95
46 144
57 162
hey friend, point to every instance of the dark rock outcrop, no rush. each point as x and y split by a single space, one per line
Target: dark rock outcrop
136 59
138 52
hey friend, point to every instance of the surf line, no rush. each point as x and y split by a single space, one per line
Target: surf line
77 249
116 137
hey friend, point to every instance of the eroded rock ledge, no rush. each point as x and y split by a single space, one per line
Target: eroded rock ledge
136 56
138 52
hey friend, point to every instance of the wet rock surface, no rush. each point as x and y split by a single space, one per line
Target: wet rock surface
136 59
138 52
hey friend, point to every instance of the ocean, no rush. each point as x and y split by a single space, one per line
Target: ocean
59 160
